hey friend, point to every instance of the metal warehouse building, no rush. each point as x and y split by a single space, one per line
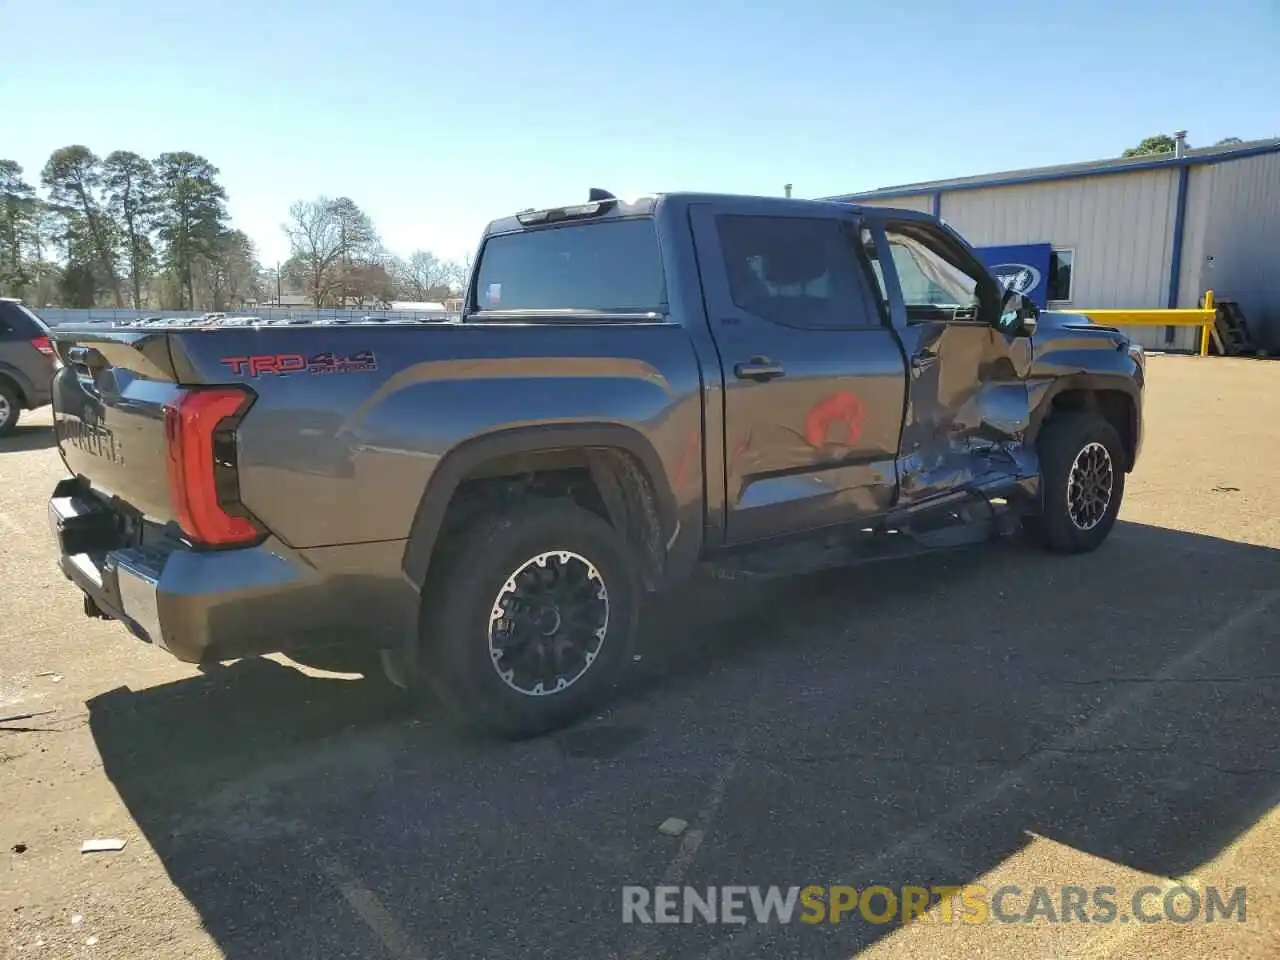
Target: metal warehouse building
1141 233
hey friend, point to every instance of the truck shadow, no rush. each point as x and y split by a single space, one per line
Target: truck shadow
28 437
908 723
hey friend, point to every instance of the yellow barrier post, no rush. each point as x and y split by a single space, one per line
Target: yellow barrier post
1201 317
1208 325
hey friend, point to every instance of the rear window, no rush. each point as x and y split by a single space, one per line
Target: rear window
16 318
35 320
610 266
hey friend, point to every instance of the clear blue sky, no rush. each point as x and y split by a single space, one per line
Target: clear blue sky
439 116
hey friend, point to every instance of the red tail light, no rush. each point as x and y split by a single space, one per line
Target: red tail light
43 345
200 445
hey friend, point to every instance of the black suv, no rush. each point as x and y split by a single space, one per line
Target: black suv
26 362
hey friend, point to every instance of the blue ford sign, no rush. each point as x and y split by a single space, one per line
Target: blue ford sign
1023 268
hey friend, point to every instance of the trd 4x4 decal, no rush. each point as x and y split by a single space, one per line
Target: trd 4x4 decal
281 363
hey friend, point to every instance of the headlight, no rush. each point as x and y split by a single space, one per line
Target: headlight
1139 355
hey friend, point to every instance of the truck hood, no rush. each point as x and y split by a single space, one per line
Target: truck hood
1071 342
1066 322
1053 327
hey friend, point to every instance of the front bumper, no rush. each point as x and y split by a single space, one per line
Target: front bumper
1139 356
200 606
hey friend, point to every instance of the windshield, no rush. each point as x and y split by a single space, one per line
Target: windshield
609 266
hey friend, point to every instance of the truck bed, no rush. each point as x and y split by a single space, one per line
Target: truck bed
345 424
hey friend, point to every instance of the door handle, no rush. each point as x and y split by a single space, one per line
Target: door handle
759 369
921 362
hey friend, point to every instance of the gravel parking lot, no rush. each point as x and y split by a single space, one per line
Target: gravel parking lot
989 717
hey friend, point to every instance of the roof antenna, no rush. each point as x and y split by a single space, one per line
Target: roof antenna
596 195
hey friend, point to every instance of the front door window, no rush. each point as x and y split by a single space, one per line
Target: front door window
933 288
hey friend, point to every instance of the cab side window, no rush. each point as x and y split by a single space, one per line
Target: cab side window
796 271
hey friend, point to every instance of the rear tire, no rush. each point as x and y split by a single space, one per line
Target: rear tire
10 409
1082 474
528 618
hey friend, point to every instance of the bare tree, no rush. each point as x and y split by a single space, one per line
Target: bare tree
460 273
316 242
369 283
335 243
424 276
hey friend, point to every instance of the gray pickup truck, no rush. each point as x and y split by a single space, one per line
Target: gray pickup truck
635 390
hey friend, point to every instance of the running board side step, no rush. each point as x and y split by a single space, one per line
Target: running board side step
963 521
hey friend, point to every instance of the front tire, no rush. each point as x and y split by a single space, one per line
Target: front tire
10 409
529 617
1082 474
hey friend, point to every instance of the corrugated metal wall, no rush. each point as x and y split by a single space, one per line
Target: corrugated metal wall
922 203
1233 215
1119 227
1195 221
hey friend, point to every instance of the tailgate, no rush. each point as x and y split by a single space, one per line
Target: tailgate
109 403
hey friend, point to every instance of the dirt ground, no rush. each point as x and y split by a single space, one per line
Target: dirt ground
999 717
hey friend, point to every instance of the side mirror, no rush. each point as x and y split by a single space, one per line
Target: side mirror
1018 314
